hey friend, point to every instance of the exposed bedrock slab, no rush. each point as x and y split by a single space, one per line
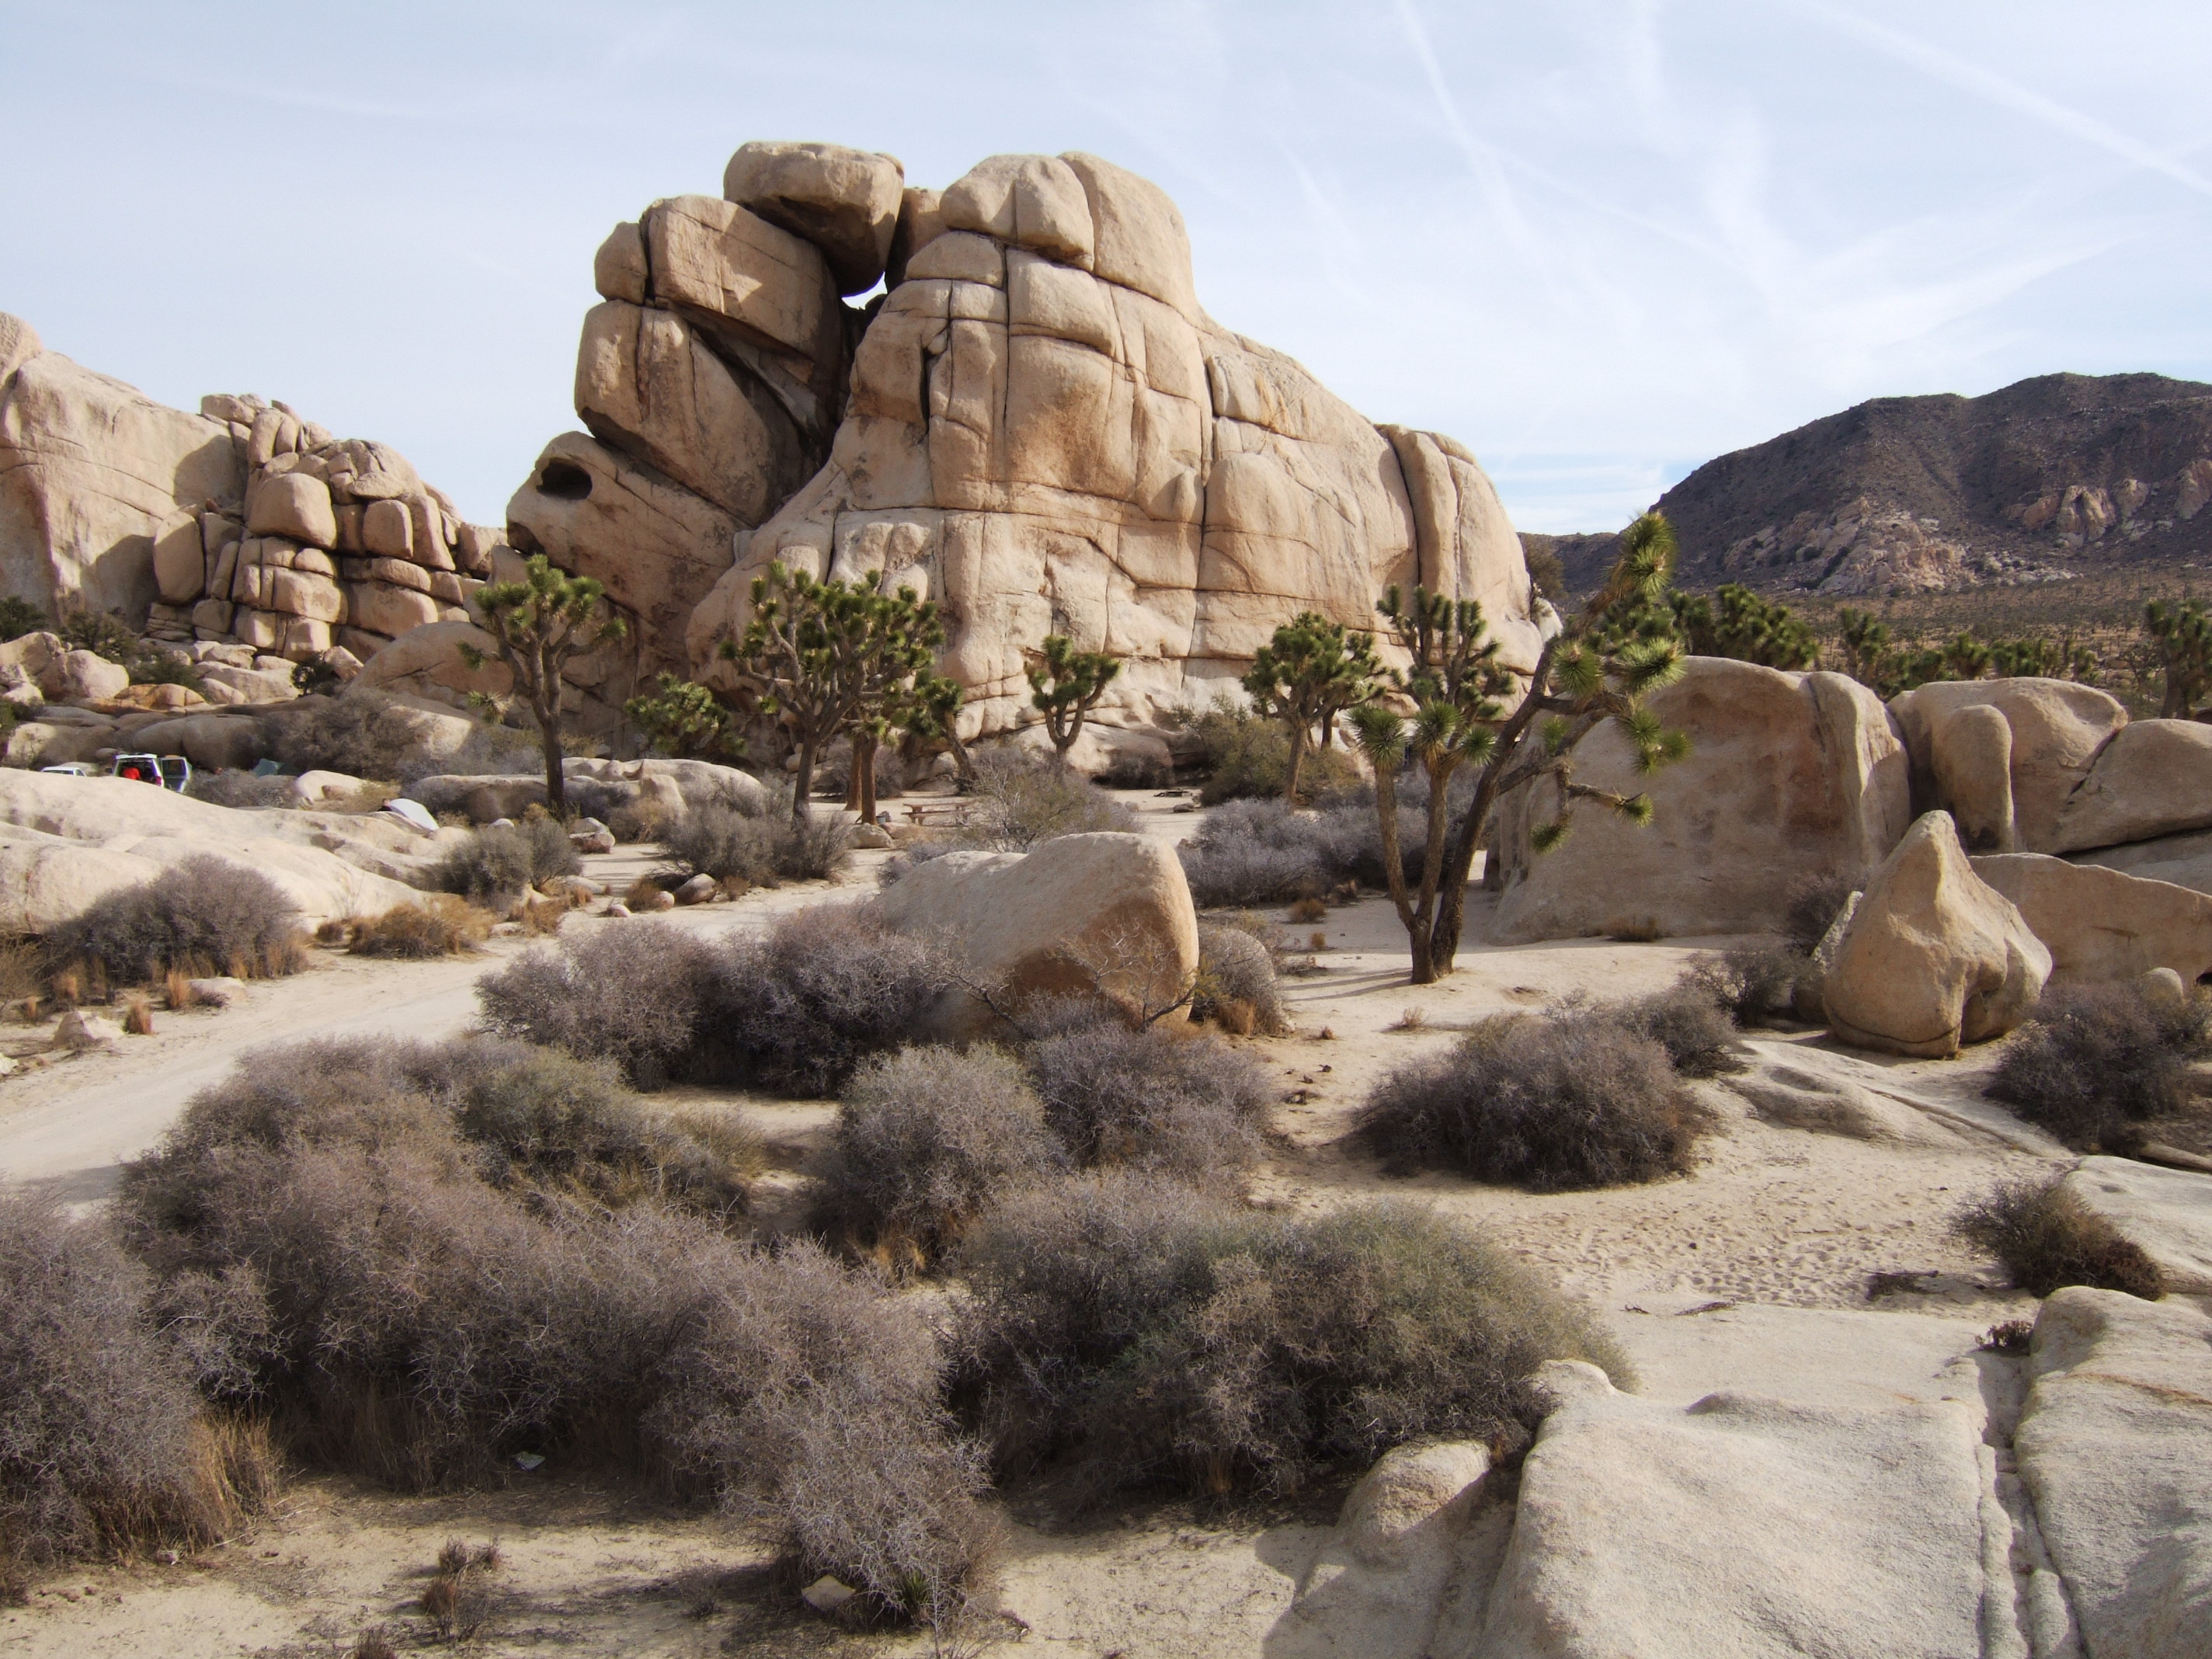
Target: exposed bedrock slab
2105 924
2167 1212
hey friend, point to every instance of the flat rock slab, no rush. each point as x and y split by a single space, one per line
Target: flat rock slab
2115 1446
1815 1356
1744 1526
2167 1212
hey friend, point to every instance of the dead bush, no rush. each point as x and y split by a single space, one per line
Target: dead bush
634 994
437 924
1754 984
1551 1103
2047 1238
364 735
1019 799
1814 901
758 850
1151 1098
1687 1021
202 911
1143 1332
344 1253
458 1600
102 1445
500 861
245 791
2093 1062
925 1141
1234 968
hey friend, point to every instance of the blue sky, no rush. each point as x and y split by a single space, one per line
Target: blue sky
1600 242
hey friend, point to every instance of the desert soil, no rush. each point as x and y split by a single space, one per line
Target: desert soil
1755 1272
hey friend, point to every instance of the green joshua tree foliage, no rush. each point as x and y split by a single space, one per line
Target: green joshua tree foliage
934 722
2181 634
1738 623
1866 648
1469 710
1065 685
683 718
1311 672
832 657
539 622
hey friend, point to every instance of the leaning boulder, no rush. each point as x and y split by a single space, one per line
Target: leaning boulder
2114 1446
2153 778
844 200
1080 915
212 743
1786 773
1934 955
2101 924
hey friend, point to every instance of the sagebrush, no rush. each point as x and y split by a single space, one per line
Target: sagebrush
501 861
1152 1097
2093 1063
2047 1238
203 914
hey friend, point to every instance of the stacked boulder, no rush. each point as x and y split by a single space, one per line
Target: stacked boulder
331 543
1036 425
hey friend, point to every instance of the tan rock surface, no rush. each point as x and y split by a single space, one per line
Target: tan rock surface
1971 754
2153 779
2186 861
2104 925
1077 915
2056 728
294 505
1786 773
844 200
1933 957
427 661
2168 1214
618 269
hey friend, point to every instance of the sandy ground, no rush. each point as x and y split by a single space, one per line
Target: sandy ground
1752 1272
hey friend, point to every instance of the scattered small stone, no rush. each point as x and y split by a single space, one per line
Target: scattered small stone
661 899
618 909
79 1030
827 1594
506 929
216 992
697 891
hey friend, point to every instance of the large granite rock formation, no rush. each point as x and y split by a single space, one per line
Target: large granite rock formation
1786 773
1036 425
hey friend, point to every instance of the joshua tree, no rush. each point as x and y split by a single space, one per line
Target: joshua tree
1866 649
686 720
1737 622
539 622
1310 672
1065 686
829 657
2182 633
933 720
1470 710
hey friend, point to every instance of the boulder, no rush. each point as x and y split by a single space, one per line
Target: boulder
648 385
698 890
427 662
2056 729
1933 957
2167 1212
2182 861
1381 1577
1970 749
180 565
1081 915
920 221
659 548
312 788
2153 779
381 608
482 800
2114 1445
294 505
2101 924
1799 1099
618 269
387 530
79 1030
86 677
212 743
1650 1529
1786 773
91 470
845 202
678 785
251 684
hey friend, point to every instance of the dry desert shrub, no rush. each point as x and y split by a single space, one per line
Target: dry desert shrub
2047 1238
1246 755
1144 1332
457 1601
1236 967
926 1140
499 862
2093 1062
1151 1098
1753 982
102 1444
341 1237
757 850
1689 1022
1020 799
1551 1103
1814 902
363 735
437 925
242 790
635 995
201 911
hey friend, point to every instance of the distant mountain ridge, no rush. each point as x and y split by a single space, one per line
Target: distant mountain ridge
2058 476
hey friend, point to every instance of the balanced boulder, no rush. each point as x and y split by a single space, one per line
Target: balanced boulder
1100 914
845 202
1933 957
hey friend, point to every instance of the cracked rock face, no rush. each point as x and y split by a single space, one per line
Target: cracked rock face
1036 425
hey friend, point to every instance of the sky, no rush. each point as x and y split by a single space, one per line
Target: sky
1600 242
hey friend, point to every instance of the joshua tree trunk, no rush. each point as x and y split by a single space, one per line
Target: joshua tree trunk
1297 763
548 732
862 795
802 781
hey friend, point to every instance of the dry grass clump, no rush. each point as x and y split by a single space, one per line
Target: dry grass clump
1260 852
2093 1062
1237 986
351 1241
2047 1238
927 1139
797 1008
756 849
1551 1103
437 924
103 1448
1144 1332
200 911
501 861
1151 1098
459 1597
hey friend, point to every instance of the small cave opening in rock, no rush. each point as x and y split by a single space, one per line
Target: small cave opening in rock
565 480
